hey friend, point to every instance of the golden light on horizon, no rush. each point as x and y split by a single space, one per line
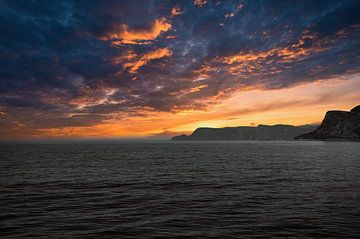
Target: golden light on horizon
299 105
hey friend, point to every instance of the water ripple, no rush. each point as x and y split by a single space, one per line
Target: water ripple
180 190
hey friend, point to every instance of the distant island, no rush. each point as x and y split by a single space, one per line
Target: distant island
337 125
261 132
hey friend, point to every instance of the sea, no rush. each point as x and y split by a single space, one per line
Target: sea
165 189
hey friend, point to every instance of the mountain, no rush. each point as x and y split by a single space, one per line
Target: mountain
337 125
261 132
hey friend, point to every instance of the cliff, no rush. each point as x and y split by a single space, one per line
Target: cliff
261 132
337 125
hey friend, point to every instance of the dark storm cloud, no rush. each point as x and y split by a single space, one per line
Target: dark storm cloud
74 63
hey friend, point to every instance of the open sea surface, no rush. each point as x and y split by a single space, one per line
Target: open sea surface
180 190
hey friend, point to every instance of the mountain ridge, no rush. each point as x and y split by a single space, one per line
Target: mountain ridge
260 132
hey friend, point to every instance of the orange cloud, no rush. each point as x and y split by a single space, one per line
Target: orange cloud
252 63
176 11
2 111
183 92
219 95
123 34
198 88
127 56
146 58
199 3
246 57
295 51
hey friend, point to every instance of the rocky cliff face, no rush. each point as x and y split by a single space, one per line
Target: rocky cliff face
261 132
337 125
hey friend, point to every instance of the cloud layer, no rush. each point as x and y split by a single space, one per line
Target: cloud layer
87 63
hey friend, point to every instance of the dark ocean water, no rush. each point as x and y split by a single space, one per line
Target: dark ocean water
180 190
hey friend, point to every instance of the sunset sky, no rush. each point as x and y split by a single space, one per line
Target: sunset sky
157 68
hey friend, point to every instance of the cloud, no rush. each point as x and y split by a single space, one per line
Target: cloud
135 63
198 88
123 34
176 10
236 10
199 3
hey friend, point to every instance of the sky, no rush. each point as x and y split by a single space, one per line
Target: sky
157 68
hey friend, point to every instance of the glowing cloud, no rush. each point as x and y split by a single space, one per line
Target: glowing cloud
256 64
295 51
123 34
176 11
198 88
146 58
127 56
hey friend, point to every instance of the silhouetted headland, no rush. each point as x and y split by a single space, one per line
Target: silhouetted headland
261 132
337 125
